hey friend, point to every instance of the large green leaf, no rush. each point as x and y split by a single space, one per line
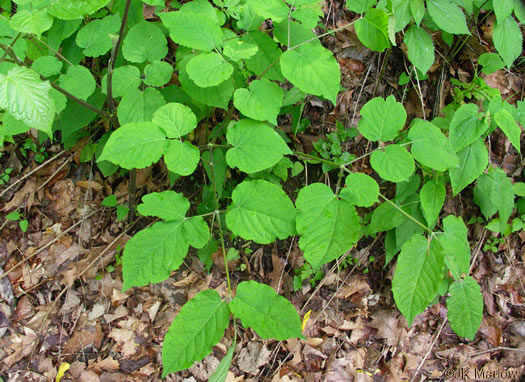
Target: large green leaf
473 160
372 30
135 145
382 120
144 41
208 69
126 79
262 63
256 146
95 37
36 21
466 126
181 157
158 73
313 69
261 102
419 272
167 205
139 106
175 119
455 244
261 211
394 163
78 81
508 39
259 307
27 99
328 226
192 29
465 307
75 9
269 9
431 147
361 190
432 197
199 325
447 16
503 8
420 48
506 122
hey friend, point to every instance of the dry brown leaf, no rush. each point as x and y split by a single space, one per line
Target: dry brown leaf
20 196
387 325
253 356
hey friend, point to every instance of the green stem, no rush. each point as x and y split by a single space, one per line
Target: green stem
324 34
405 213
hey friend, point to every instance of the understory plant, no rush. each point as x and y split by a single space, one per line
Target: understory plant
230 80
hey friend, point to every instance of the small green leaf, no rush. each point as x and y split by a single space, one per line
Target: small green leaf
208 69
384 218
420 48
135 145
360 6
432 197
298 33
47 66
78 81
465 307
122 212
13 216
466 126
144 41
417 8
23 225
191 29
75 9
110 201
199 325
261 211
261 102
519 189
157 73
394 163
419 272
313 69
447 16
269 9
36 21
491 62
167 205
262 63
126 79
181 158
175 119
139 106
508 125
455 244
237 50
473 160
197 231
372 30
508 39
221 372
259 307
95 37
431 147
382 120
361 190
328 226
256 146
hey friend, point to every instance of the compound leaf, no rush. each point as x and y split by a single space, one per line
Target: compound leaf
259 307
167 205
199 325
447 16
181 158
191 29
139 106
473 159
328 226
144 41
208 69
175 119
261 211
261 102
382 119
361 190
95 37
420 48
455 245
394 163
465 307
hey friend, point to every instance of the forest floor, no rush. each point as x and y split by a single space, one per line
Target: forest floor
62 311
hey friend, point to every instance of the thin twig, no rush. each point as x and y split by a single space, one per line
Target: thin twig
429 350
49 178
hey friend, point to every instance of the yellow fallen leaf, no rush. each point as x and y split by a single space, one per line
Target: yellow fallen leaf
64 366
305 319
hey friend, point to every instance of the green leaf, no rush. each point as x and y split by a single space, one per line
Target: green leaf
167 205
237 50
261 211
455 245
158 73
145 41
78 81
491 62
257 146
328 226
372 30
191 29
139 106
519 11
261 102
473 160
508 39
431 147
401 15
419 272
360 6
467 126
308 12
298 33
361 190
382 119
208 69
60 31
221 372
47 66
95 37
432 197
110 201
519 189
199 325
75 9
181 158
384 218
420 48
197 231
269 9
508 125
259 307
447 16
36 21
135 145
313 69
394 163
27 99
493 192
465 307
417 8
263 61
503 9
175 119
126 79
